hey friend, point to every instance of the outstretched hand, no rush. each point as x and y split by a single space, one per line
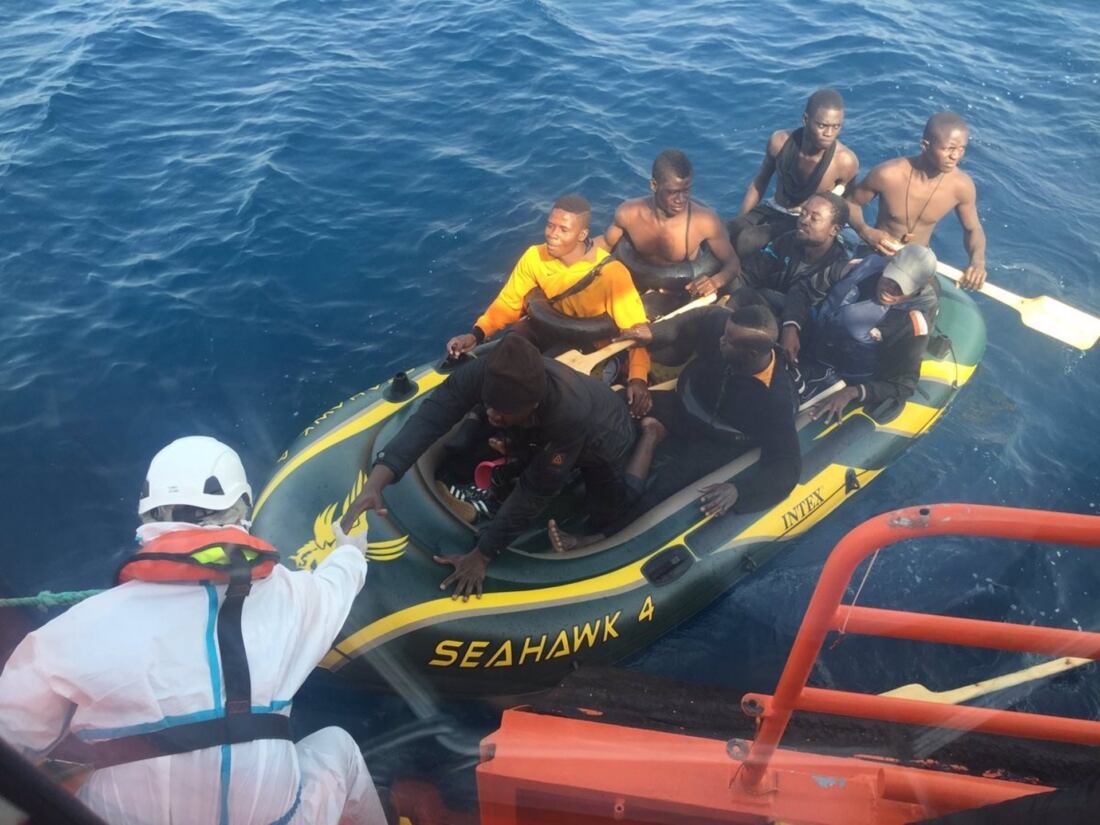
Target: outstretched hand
358 541
369 499
460 345
973 276
704 286
640 334
833 406
638 397
468 576
717 499
883 242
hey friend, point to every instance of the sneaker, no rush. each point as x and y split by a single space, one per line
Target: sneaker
484 503
463 509
811 381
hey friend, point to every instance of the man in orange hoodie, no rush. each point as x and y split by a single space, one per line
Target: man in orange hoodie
558 269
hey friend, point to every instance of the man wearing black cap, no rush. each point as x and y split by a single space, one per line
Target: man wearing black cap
575 421
870 328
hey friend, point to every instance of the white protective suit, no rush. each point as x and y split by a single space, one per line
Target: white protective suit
144 656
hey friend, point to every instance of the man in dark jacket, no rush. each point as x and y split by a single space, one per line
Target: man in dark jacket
734 395
871 329
574 421
811 252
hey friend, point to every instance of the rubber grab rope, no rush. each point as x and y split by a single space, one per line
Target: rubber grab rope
46 599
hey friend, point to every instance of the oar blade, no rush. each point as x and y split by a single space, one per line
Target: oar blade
1060 321
585 363
995 683
912 691
1043 314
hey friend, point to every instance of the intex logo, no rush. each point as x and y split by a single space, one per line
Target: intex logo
803 509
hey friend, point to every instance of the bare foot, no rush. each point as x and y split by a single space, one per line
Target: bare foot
563 542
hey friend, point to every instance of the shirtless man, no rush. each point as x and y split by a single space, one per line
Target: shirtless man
914 193
669 228
808 160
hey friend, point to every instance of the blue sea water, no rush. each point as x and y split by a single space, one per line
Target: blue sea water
225 217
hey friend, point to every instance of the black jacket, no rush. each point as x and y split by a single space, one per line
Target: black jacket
900 359
779 266
579 421
904 336
763 415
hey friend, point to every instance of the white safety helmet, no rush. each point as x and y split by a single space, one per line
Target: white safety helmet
197 471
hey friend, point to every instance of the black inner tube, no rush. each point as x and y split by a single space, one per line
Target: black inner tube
555 325
665 276
686 387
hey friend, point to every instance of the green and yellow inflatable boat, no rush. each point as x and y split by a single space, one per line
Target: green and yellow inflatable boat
543 612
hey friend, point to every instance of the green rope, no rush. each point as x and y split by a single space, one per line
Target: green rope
46 599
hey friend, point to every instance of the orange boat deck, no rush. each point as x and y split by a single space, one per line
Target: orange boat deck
547 769
540 769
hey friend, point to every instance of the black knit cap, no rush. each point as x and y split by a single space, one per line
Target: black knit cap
515 377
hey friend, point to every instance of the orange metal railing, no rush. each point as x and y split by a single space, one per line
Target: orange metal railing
825 613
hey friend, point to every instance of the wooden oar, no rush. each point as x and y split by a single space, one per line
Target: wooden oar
968 692
1043 314
586 363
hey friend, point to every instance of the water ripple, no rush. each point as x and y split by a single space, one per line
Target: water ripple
227 217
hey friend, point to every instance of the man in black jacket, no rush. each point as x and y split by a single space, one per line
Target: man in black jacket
871 328
575 421
734 395
810 252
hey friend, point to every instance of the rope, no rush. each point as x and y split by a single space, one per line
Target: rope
46 599
855 598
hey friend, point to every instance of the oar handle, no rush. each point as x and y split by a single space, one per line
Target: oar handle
992 290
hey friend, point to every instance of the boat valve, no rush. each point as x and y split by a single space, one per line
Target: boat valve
401 387
851 481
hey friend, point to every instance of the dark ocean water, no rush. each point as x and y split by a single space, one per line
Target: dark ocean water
225 217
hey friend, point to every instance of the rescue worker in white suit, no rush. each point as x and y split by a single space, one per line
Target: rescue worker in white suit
176 684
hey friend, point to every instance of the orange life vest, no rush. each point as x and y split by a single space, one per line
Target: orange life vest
199 555
226 555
